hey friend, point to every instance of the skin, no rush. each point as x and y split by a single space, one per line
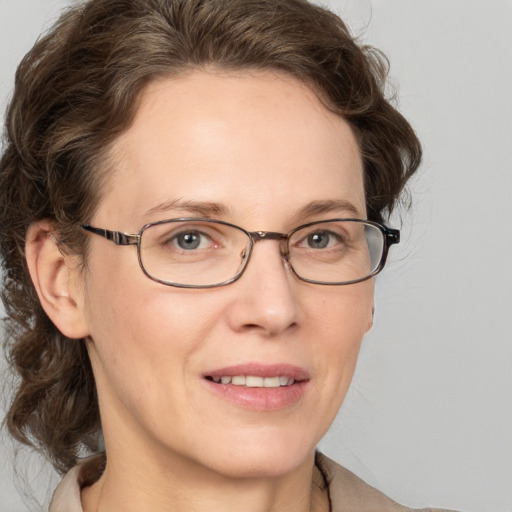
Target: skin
262 146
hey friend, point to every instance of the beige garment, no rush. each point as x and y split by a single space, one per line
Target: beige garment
347 492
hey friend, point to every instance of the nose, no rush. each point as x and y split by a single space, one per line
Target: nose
265 299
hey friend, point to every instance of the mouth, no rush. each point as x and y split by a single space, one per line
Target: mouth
253 381
259 387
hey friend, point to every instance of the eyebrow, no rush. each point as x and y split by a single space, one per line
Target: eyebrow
339 206
206 209
210 209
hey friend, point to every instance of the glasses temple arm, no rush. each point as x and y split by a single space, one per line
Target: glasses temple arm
117 237
392 236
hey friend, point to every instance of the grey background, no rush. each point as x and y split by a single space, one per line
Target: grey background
429 416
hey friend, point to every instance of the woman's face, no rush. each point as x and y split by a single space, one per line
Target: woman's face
260 151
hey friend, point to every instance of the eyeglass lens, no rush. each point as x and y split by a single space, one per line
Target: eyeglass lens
206 253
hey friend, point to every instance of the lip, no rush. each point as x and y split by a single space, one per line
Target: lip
260 399
261 370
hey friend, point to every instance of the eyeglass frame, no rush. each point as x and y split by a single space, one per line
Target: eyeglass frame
391 237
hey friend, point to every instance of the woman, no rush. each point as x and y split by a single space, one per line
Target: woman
246 151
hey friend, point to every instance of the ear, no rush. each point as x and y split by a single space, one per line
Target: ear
370 320
57 278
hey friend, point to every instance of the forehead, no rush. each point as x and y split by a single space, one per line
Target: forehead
255 142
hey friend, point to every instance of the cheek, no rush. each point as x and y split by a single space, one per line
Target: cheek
342 319
343 314
155 327
142 333
144 357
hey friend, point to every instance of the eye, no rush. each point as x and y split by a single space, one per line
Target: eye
321 239
190 240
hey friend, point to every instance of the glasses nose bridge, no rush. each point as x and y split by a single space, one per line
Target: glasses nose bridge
258 236
267 235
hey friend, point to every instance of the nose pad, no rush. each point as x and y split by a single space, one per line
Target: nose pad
243 259
285 253
283 246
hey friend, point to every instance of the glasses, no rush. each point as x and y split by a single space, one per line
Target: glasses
204 253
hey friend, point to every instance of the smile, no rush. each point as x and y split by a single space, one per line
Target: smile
254 381
259 387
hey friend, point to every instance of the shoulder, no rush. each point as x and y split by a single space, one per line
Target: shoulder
66 497
348 493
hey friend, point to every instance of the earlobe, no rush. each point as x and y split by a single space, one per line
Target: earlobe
56 278
370 322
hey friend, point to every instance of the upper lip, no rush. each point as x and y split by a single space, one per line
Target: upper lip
261 370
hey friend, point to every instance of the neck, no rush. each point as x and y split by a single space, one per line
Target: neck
189 487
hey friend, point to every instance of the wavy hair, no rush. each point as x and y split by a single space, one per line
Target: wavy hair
77 90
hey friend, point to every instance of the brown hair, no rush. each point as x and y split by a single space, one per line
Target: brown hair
78 89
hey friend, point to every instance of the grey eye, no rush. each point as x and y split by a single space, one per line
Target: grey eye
189 241
319 239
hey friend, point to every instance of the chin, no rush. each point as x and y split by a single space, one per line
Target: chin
260 458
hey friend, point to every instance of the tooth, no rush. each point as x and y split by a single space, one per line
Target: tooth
271 382
253 382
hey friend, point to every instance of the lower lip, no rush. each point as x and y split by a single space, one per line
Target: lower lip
260 399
